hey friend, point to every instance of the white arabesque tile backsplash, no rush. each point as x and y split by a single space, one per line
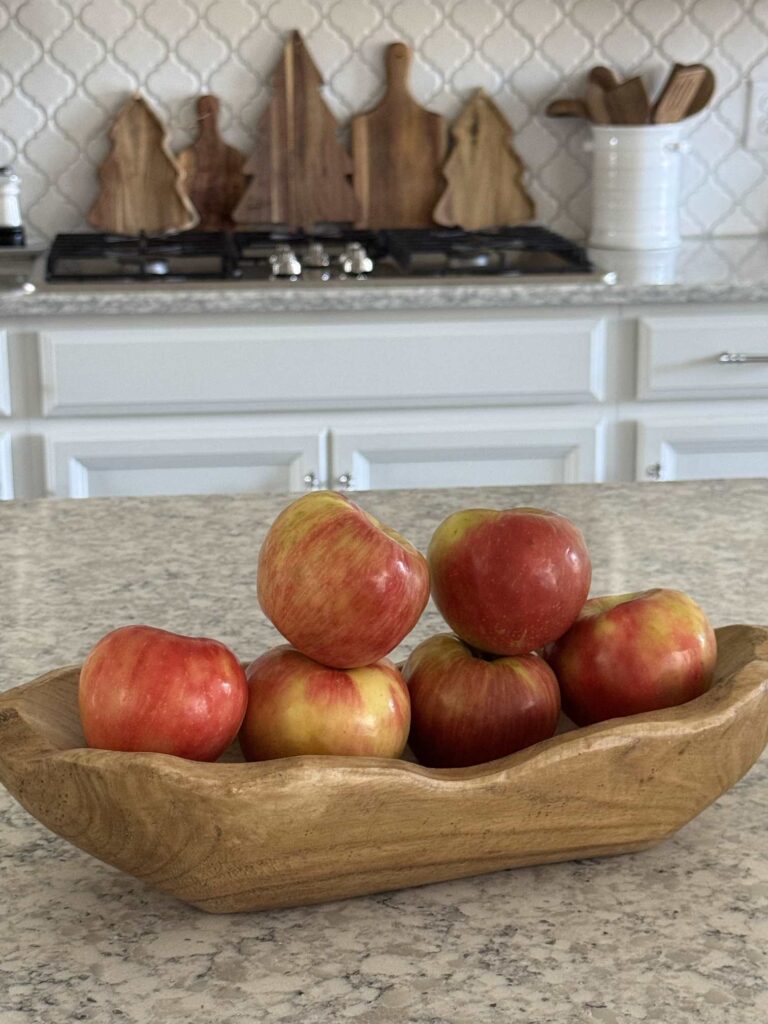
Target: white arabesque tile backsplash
67 65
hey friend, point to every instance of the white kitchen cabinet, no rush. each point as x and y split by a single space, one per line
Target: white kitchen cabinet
703 449
719 355
467 455
6 467
84 467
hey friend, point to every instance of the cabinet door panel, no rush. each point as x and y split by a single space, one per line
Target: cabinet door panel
702 450
6 467
330 365
82 468
694 356
5 377
394 459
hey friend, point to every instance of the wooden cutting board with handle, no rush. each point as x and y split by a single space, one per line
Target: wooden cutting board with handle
301 173
398 149
141 181
483 172
213 171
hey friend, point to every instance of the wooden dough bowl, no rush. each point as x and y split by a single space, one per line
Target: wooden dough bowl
234 836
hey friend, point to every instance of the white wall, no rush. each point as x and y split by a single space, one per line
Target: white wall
66 66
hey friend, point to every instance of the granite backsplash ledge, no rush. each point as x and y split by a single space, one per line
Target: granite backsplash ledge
67 65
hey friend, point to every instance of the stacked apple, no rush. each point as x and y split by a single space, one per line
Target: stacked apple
344 591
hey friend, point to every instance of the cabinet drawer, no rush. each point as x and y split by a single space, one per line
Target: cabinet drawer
700 356
314 366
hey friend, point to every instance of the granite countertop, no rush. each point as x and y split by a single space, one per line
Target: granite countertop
676 933
700 271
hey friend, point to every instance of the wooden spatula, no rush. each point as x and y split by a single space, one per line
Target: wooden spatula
398 149
680 91
628 103
604 77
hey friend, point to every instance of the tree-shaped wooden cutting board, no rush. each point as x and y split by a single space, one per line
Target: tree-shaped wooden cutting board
213 171
398 149
141 181
483 172
302 174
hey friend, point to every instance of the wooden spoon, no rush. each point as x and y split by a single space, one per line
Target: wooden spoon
603 77
594 100
567 108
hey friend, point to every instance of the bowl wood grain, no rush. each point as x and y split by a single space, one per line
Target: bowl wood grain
235 836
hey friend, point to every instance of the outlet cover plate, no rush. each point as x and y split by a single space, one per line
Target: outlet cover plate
757 115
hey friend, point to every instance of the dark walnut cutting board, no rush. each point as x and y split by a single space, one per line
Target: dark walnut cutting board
141 181
483 172
398 149
301 173
213 171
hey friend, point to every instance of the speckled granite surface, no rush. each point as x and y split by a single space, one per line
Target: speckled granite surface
700 271
675 934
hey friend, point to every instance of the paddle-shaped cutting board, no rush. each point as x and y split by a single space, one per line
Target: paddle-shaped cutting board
301 172
141 181
398 149
483 172
213 171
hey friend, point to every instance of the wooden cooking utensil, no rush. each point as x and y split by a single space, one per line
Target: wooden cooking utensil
679 91
301 172
594 101
141 181
483 172
398 149
567 108
301 830
213 171
628 103
603 76
704 95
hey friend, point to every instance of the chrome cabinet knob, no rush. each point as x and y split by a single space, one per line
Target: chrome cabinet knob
344 481
653 472
741 357
311 483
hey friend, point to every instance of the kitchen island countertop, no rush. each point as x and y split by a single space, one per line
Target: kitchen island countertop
676 933
702 270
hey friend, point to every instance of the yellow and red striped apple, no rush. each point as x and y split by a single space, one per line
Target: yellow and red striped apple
297 706
630 653
508 582
467 708
340 586
143 688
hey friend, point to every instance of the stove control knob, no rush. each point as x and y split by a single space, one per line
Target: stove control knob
317 262
285 263
355 261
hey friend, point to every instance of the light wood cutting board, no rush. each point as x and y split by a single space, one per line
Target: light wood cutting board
213 171
398 149
141 181
301 172
483 172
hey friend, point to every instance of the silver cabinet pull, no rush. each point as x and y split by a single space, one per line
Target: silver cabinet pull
740 357
311 482
344 481
653 472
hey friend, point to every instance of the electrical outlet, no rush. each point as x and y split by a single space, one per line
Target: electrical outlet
757 115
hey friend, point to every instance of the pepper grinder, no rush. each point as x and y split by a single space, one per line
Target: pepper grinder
11 229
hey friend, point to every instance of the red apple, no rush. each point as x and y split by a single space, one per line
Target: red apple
341 587
467 708
510 581
297 706
143 688
634 652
